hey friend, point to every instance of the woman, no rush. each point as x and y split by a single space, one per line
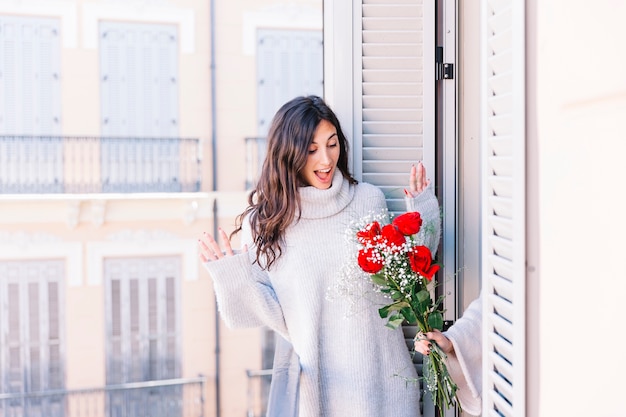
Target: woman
293 236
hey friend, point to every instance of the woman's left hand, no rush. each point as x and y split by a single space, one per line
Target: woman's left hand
424 344
417 180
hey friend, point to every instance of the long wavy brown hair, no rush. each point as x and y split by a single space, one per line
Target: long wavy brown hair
275 201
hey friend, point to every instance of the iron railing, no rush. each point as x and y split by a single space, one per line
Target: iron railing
258 392
63 164
164 398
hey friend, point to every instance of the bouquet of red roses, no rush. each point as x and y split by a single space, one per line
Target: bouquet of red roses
403 269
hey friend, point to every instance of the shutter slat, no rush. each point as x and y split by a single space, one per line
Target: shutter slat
409 76
398 155
400 50
502 346
391 115
501 187
501 145
503 287
501 166
385 24
502 267
500 83
392 37
392 89
393 140
500 20
501 103
503 368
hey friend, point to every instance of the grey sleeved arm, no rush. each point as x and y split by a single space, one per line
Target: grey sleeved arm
244 293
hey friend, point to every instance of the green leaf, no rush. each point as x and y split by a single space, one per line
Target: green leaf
409 315
435 320
423 300
379 279
398 306
395 322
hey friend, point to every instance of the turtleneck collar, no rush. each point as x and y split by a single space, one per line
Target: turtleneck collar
317 204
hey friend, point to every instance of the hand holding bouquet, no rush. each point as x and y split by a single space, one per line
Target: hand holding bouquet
403 269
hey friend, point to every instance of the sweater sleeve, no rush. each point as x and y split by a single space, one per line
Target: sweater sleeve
427 205
465 364
244 293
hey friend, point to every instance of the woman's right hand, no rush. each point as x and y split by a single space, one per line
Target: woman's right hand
210 250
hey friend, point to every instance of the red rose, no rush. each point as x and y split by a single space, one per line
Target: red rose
392 236
408 223
368 233
370 261
420 259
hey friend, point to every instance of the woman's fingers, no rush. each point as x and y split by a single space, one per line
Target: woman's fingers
210 249
413 179
417 180
422 346
227 248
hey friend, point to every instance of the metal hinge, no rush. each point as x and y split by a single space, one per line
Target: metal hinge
444 71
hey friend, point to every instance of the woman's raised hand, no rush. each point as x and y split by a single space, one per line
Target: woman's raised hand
417 180
210 250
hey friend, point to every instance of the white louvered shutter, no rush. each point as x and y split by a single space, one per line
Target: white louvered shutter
142 301
397 90
289 64
32 346
503 207
139 80
30 82
143 318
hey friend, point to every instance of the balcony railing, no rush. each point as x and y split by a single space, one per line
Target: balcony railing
62 164
165 398
258 392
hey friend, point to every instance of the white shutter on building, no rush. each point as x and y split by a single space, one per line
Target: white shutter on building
30 81
397 85
503 207
139 80
289 64
31 335
143 318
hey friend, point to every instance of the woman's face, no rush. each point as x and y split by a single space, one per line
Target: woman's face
323 156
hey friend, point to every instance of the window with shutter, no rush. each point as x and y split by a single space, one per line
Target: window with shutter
139 99
30 82
31 332
289 64
143 322
139 79
30 104
503 207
